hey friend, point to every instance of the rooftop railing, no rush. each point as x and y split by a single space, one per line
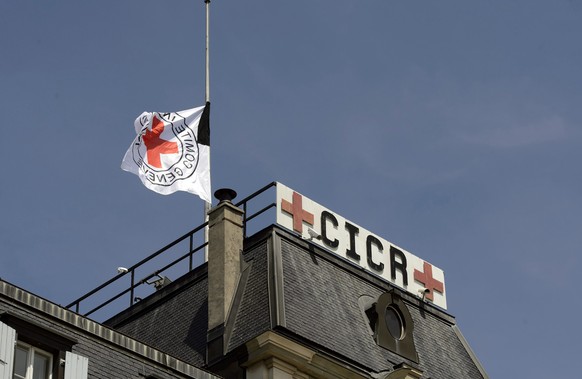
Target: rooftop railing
248 204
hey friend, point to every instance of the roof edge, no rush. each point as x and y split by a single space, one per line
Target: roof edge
470 351
25 298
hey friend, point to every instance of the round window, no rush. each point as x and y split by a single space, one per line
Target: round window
394 322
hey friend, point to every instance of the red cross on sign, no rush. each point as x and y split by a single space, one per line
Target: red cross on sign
157 146
428 281
296 210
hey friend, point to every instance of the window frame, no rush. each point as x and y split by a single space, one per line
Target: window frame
32 351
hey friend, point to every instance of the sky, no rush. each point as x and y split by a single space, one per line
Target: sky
451 128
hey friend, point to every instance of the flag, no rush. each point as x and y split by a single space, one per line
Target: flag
172 151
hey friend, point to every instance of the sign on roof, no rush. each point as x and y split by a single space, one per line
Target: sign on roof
359 246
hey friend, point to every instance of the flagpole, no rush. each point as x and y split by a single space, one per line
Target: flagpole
207 205
207 2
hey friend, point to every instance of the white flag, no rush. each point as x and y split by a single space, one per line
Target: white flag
172 151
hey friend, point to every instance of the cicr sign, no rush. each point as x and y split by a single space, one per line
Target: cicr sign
358 245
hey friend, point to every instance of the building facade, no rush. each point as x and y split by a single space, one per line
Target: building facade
280 303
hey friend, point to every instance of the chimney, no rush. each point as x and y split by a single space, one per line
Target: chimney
225 243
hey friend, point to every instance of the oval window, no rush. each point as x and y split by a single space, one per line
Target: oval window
394 322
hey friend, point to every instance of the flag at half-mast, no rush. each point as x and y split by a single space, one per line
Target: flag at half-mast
172 151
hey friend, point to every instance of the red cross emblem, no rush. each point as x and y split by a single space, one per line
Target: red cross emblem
155 145
295 209
428 281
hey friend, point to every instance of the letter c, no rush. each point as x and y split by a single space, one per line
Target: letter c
325 217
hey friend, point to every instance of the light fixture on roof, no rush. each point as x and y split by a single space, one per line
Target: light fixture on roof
160 283
313 234
424 292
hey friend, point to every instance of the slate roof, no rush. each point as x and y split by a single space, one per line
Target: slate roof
173 319
321 306
252 315
299 290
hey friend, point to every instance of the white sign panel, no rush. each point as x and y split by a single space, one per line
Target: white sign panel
359 246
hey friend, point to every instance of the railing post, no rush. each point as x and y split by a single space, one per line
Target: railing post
131 294
190 251
245 220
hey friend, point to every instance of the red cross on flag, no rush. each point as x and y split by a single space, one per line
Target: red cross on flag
172 151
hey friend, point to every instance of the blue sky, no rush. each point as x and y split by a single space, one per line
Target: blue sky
450 128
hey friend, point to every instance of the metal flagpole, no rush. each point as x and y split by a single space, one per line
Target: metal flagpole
207 205
207 2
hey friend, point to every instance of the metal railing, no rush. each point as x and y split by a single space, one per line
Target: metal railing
189 255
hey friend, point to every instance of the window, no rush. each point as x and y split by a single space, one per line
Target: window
31 363
390 323
394 322
28 351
